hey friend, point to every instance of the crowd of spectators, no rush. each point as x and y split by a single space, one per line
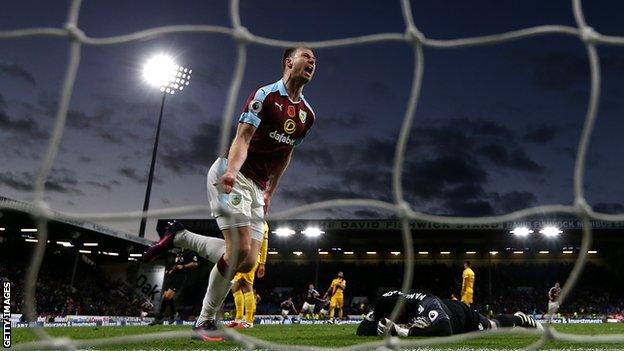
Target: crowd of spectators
90 294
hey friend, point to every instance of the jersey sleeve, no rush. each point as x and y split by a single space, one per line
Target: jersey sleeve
265 245
253 108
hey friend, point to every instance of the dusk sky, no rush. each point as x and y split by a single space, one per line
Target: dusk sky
496 129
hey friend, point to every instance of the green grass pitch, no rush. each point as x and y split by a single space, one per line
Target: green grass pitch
318 335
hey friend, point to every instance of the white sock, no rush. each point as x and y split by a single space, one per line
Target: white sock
207 247
218 288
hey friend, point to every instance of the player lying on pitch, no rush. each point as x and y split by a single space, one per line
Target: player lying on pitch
424 314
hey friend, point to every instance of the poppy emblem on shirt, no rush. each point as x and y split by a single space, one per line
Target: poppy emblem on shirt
291 111
302 116
290 126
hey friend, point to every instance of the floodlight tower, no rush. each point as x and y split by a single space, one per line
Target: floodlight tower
162 72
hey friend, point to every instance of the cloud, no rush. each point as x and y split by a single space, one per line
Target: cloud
197 155
17 72
560 71
470 208
18 181
213 75
380 91
311 194
513 201
131 173
316 156
540 133
448 167
99 185
512 159
432 178
25 126
61 180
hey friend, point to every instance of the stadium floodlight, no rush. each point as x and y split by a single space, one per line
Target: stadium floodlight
445 252
493 253
162 72
113 254
84 251
323 253
544 252
28 230
423 252
592 252
136 255
273 252
312 232
395 253
131 259
298 253
371 252
519 252
31 240
567 251
348 252
2 229
550 231
284 232
90 244
521 232
470 252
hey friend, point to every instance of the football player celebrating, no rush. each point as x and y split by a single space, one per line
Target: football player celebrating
424 314
276 117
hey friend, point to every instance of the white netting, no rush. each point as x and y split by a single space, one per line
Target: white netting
243 37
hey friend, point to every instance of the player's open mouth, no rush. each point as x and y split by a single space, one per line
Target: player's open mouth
309 69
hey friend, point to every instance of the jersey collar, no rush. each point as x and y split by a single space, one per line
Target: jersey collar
283 92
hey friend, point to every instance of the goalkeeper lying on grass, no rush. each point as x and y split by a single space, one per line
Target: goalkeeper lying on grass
424 314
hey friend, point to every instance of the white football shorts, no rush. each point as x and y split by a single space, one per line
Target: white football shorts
308 308
245 203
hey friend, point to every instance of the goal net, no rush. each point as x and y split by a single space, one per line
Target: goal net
413 37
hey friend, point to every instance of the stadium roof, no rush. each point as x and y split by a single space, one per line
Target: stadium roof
17 227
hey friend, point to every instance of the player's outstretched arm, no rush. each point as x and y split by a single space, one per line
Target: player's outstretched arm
237 155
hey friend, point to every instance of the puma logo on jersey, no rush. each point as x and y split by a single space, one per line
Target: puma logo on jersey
279 105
